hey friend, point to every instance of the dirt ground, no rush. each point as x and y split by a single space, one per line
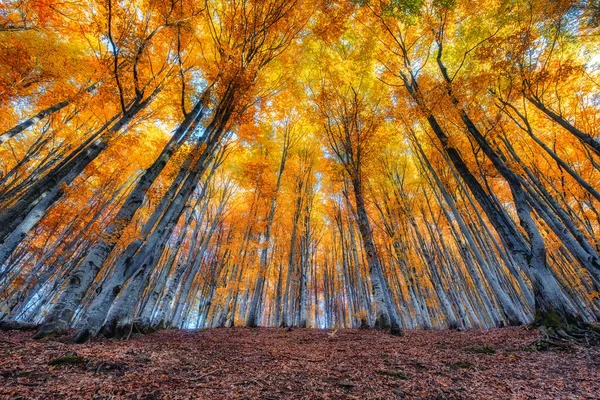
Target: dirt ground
266 364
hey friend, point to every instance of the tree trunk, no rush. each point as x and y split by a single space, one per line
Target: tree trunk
63 310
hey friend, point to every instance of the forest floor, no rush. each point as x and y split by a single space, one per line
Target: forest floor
262 363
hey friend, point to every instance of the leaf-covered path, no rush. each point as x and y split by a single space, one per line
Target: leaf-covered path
299 364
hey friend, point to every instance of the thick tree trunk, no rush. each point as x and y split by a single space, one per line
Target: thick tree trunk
114 319
63 310
547 293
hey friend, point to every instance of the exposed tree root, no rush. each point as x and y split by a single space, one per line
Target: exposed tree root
513 322
567 339
161 325
82 336
382 322
121 330
561 335
382 325
251 324
364 324
50 331
396 332
11 325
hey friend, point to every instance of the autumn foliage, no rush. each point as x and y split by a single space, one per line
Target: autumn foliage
395 163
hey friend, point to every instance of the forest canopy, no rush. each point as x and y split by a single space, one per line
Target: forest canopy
398 164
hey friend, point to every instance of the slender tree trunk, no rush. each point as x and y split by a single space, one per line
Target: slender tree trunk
252 318
583 137
385 311
23 125
68 170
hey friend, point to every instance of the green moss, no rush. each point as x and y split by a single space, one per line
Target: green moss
393 373
461 365
549 319
67 359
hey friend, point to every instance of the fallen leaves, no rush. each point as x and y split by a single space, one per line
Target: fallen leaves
263 364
